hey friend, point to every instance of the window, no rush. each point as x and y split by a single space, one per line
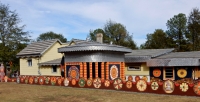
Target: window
168 73
134 68
29 62
54 69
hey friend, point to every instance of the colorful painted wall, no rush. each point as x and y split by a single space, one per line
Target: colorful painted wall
144 71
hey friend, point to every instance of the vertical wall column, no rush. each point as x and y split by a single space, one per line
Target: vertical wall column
96 69
102 71
123 71
65 70
90 64
81 69
85 70
107 72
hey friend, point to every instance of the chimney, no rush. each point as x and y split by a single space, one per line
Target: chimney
99 37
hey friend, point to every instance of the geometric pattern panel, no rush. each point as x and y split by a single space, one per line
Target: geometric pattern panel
73 72
114 71
168 86
141 85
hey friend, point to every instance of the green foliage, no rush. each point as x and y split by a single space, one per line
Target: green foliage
12 37
177 30
194 29
51 35
115 32
157 40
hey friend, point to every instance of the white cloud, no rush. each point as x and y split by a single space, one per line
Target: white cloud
74 19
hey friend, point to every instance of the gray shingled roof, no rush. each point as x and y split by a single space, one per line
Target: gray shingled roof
51 62
192 54
37 48
145 54
176 59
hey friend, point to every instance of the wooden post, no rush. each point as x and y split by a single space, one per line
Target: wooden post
96 69
102 71
65 71
81 70
85 70
107 72
91 70
121 70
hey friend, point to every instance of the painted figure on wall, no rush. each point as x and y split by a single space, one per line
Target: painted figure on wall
2 74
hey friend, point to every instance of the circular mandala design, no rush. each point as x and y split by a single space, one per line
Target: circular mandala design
18 80
113 72
47 80
145 78
81 82
141 85
196 88
97 83
26 80
73 81
117 83
30 80
73 72
137 78
129 84
130 78
168 86
41 80
36 80
59 81
156 72
154 85
89 82
53 80
107 83
181 73
22 79
184 87
66 82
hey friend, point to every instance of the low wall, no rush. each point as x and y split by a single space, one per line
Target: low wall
181 87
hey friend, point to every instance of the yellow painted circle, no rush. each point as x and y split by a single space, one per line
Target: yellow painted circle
181 73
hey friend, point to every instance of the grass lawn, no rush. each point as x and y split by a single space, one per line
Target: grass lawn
13 92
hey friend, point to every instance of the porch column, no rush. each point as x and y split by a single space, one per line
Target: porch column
122 71
81 70
65 71
107 74
96 69
90 70
85 70
102 71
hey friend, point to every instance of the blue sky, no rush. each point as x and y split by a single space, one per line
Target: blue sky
74 18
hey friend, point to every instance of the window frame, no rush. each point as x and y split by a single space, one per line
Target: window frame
30 62
129 69
164 73
54 66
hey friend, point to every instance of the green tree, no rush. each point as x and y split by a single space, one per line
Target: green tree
157 40
194 29
51 35
115 32
177 30
13 38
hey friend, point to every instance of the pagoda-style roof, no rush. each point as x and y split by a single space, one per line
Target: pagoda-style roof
94 46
